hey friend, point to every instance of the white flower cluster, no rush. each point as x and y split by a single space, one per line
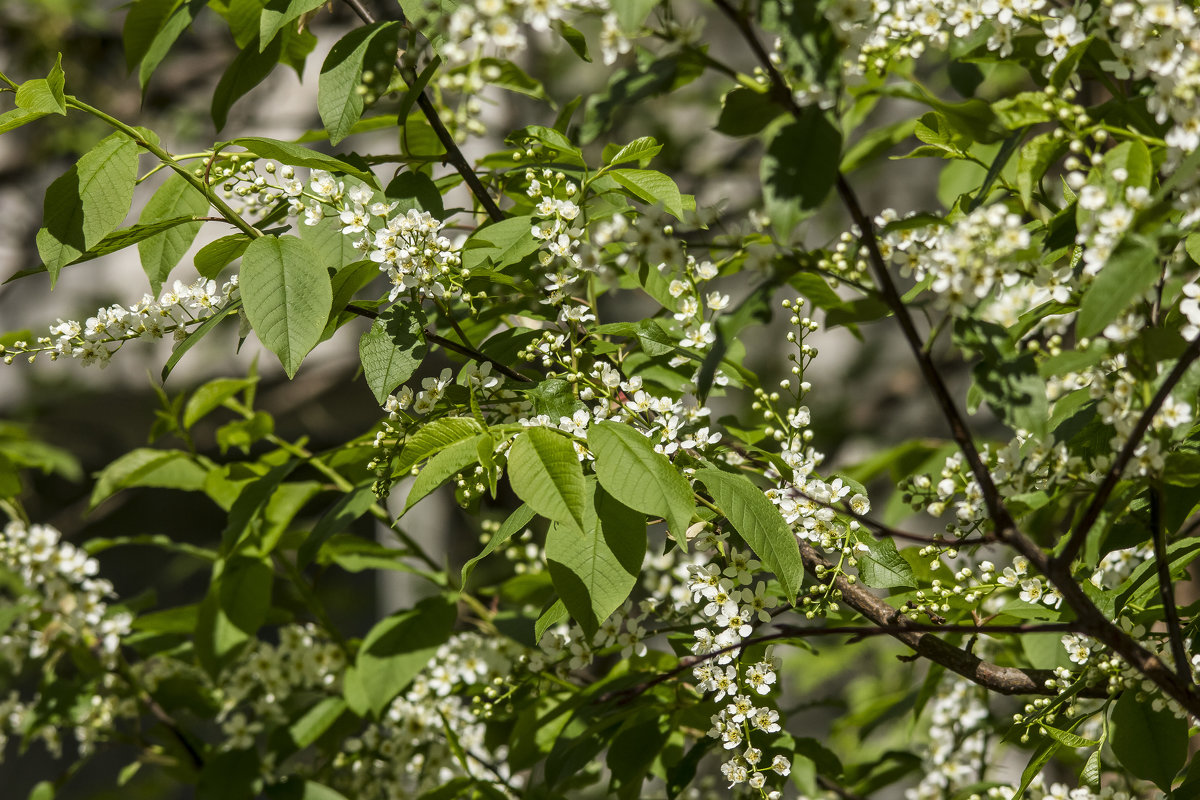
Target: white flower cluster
957 741
966 259
94 340
493 28
266 676
407 753
66 603
560 237
64 606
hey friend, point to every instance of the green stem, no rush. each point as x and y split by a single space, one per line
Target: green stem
231 216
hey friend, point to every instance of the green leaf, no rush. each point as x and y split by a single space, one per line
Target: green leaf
875 143
1036 157
244 592
652 187
545 472
745 112
44 95
415 190
166 469
1151 744
645 147
632 472
214 256
394 651
211 395
392 348
278 13
1129 271
574 39
152 54
556 613
143 21
195 336
1069 739
505 243
432 438
287 297
595 572
86 203
800 167
297 156
16 117
508 75
515 524
161 252
437 470
337 519
758 522
882 567
340 96
247 70
297 788
316 721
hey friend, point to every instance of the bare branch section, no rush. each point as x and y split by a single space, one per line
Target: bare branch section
1091 620
454 155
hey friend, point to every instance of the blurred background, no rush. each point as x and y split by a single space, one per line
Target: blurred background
865 398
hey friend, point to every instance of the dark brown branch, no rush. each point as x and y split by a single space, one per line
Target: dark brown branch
1091 619
1166 593
1117 469
450 344
454 155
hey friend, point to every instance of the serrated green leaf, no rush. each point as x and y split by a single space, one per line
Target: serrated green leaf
507 242
161 252
595 572
758 522
166 469
882 566
432 438
340 98
44 95
16 117
651 186
392 349
645 147
287 297
86 203
164 37
545 472
1069 739
631 471
440 468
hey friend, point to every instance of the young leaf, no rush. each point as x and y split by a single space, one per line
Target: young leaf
644 148
278 13
745 112
594 573
44 95
87 202
392 349
440 468
287 297
214 256
882 567
758 522
340 97
161 252
545 472
632 472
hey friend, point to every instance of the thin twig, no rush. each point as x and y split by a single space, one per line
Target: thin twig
1170 612
1117 469
453 154
450 344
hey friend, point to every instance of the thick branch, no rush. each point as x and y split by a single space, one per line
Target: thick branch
1117 469
454 155
1166 593
1093 621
